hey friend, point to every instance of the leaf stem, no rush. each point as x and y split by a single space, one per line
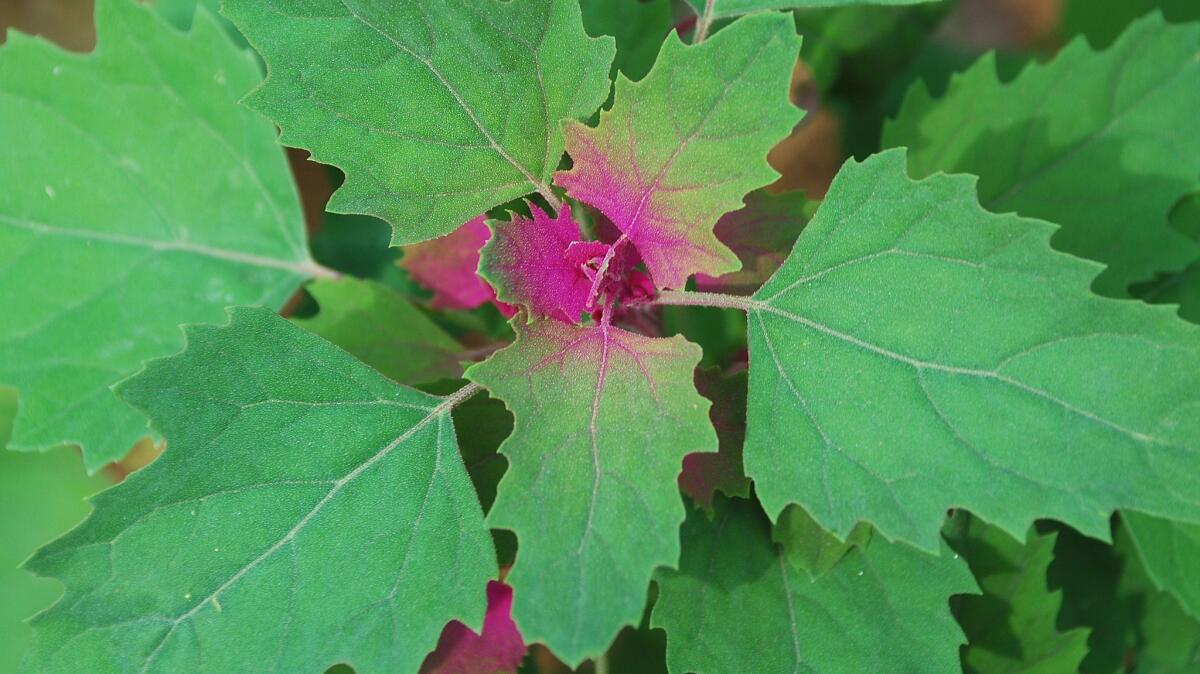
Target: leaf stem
550 197
703 22
317 270
695 299
459 397
601 664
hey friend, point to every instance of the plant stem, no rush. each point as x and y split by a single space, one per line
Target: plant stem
460 396
602 664
703 23
691 299
321 271
550 197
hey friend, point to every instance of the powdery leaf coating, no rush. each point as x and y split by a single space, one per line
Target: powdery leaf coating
735 600
527 261
382 329
724 9
917 353
448 266
705 474
341 525
1102 143
1170 552
138 195
682 146
1011 628
497 650
760 233
436 110
603 419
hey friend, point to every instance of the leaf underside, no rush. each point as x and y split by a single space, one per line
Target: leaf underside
917 353
306 509
177 203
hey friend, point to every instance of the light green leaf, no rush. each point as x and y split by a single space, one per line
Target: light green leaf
603 420
470 91
724 9
810 548
1170 553
1011 628
138 195
735 605
917 353
307 511
380 328
1103 144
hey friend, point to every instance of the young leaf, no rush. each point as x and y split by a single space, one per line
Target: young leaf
760 234
735 601
706 473
1103 144
138 195
681 147
448 266
603 419
1170 552
917 353
380 328
526 260
307 511
469 91
498 649
1011 626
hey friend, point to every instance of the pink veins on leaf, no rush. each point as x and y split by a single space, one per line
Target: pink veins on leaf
498 649
447 265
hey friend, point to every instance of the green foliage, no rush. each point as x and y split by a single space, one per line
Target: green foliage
340 526
1170 553
736 601
925 308
603 419
724 9
146 198
485 84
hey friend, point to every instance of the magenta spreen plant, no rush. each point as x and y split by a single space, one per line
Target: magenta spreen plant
922 349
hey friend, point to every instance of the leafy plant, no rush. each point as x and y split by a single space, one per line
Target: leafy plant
615 389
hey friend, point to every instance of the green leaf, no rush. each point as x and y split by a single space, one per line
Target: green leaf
1103 144
683 146
603 420
638 28
139 195
470 91
1011 626
810 548
724 9
1170 553
43 496
380 328
917 353
307 511
735 601
1181 288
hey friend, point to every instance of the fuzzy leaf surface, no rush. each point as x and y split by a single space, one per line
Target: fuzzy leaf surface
1170 553
603 418
735 600
1011 627
470 91
724 9
1103 144
682 147
382 329
917 353
178 203
340 526
526 260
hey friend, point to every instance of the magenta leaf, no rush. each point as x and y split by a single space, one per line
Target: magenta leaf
499 649
682 147
528 262
706 473
447 266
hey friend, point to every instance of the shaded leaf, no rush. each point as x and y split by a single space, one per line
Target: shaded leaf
724 9
917 353
603 420
760 234
341 526
810 548
498 649
706 473
682 146
178 203
1170 554
639 27
448 266
470 91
